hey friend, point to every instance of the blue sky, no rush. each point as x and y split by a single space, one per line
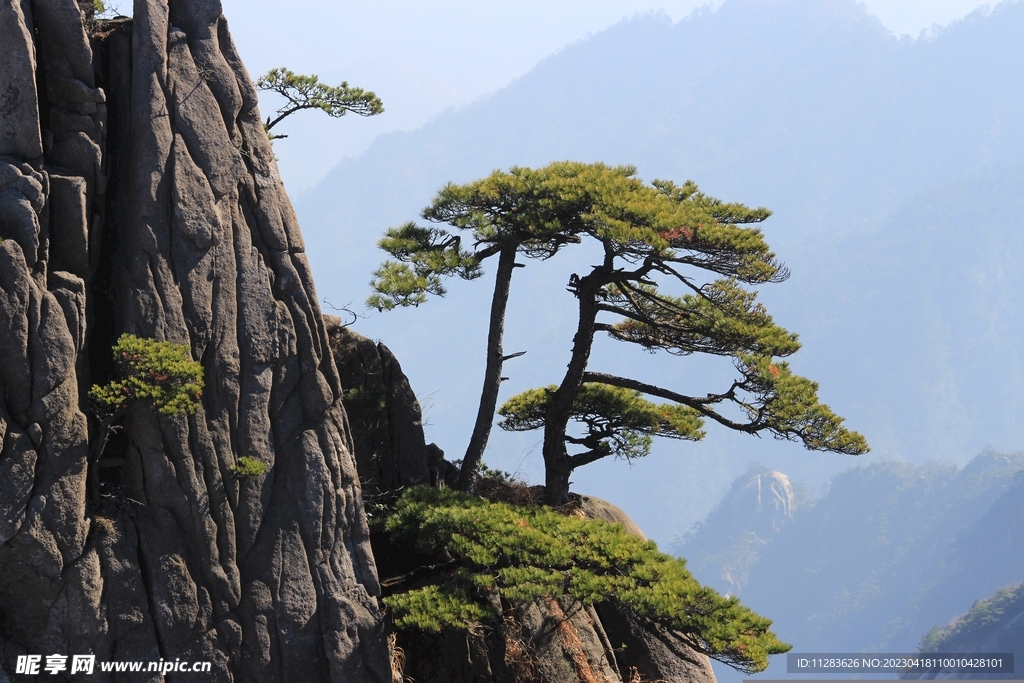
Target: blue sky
424 57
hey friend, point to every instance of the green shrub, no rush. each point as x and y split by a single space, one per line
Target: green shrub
249 467
159 372
529 552
366 400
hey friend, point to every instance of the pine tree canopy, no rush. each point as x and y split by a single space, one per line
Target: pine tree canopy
618 421
425 255
720 318
653 237
525 553
307 92
159 372
538 211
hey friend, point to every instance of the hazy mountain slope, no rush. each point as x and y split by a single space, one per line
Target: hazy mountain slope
892 550
889 552
808 106
983 557
992 625
724 547
887 165
922 320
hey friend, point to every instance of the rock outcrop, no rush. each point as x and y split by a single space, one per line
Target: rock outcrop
727 545
387 423
139 194
546 640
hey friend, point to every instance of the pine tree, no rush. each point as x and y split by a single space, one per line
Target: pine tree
307 92
524 211
648 234
159 374
522 554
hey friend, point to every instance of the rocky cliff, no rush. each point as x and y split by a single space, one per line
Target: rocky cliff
725 546
139 194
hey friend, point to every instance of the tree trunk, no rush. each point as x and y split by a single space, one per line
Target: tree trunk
492 372
557 469
557 466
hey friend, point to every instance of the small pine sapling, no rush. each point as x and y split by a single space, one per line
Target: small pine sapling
159 374
307 92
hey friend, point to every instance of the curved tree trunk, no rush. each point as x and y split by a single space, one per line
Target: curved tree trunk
557 462
492 371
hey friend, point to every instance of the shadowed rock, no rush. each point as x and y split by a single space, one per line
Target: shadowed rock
387 423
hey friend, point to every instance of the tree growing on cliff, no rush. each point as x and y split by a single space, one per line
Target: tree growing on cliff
159 373
307 92
646 233
666 232
526 212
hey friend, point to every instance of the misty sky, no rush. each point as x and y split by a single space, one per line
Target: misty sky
423 57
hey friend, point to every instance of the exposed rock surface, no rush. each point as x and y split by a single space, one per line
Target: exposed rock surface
387 423
596 508
725 548
652 654
547 640
138 194
643 652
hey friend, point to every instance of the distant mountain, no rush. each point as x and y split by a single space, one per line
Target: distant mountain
728 543
807 106
918 328
896 172
891 551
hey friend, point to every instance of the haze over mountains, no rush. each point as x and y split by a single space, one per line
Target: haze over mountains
895 170
890 552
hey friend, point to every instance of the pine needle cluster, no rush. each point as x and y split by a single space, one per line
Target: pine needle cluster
525 553
618 421
159 372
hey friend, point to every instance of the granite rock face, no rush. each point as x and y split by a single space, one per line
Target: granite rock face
387 423
728 545
139 194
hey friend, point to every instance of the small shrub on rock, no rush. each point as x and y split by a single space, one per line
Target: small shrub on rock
249 467
159 372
